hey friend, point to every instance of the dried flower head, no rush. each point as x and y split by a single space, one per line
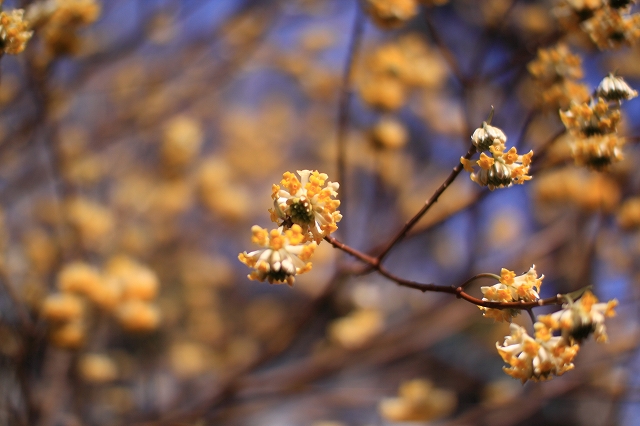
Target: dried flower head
536 359
284 254
511 288
307 202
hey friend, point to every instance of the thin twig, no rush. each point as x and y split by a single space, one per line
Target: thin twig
427 205
458 291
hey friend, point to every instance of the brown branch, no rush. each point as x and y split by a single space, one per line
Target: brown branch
458 291
427 205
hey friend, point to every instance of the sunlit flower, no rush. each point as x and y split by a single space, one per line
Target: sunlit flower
577 320
307 202
613 88
511 288
501 169
536 359
284 254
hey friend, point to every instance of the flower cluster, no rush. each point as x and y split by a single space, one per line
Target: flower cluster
536 359
58 21
394 69
500 169
593 124
612 27
306 212
307 202
511 288
283 255
14 31
556 72
546 355
125 289
609 24
577 320
418 401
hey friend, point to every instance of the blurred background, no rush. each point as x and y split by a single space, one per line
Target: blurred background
139 140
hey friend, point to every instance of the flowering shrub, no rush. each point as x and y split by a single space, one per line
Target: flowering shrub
140 142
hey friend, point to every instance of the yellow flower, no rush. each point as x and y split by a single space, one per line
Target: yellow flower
307 202
283 255
536 359
511 288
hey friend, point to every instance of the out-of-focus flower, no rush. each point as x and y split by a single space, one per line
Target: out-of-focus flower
556 63
307 202
614 88
91 221
392 13
536 359
418 401
611 28
593 118
511 288
79 278
578 320
357 328
629 214
137 281
97 368
181 143
598 151
69 335
284 254
14 31
62 307
389 133
589 191
138 316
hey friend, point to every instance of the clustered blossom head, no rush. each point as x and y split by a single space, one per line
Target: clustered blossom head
306 211
593 124
307 202
500 169
14 31
283 255
511 288
610 28
577 320
556 72
545 355
538 358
